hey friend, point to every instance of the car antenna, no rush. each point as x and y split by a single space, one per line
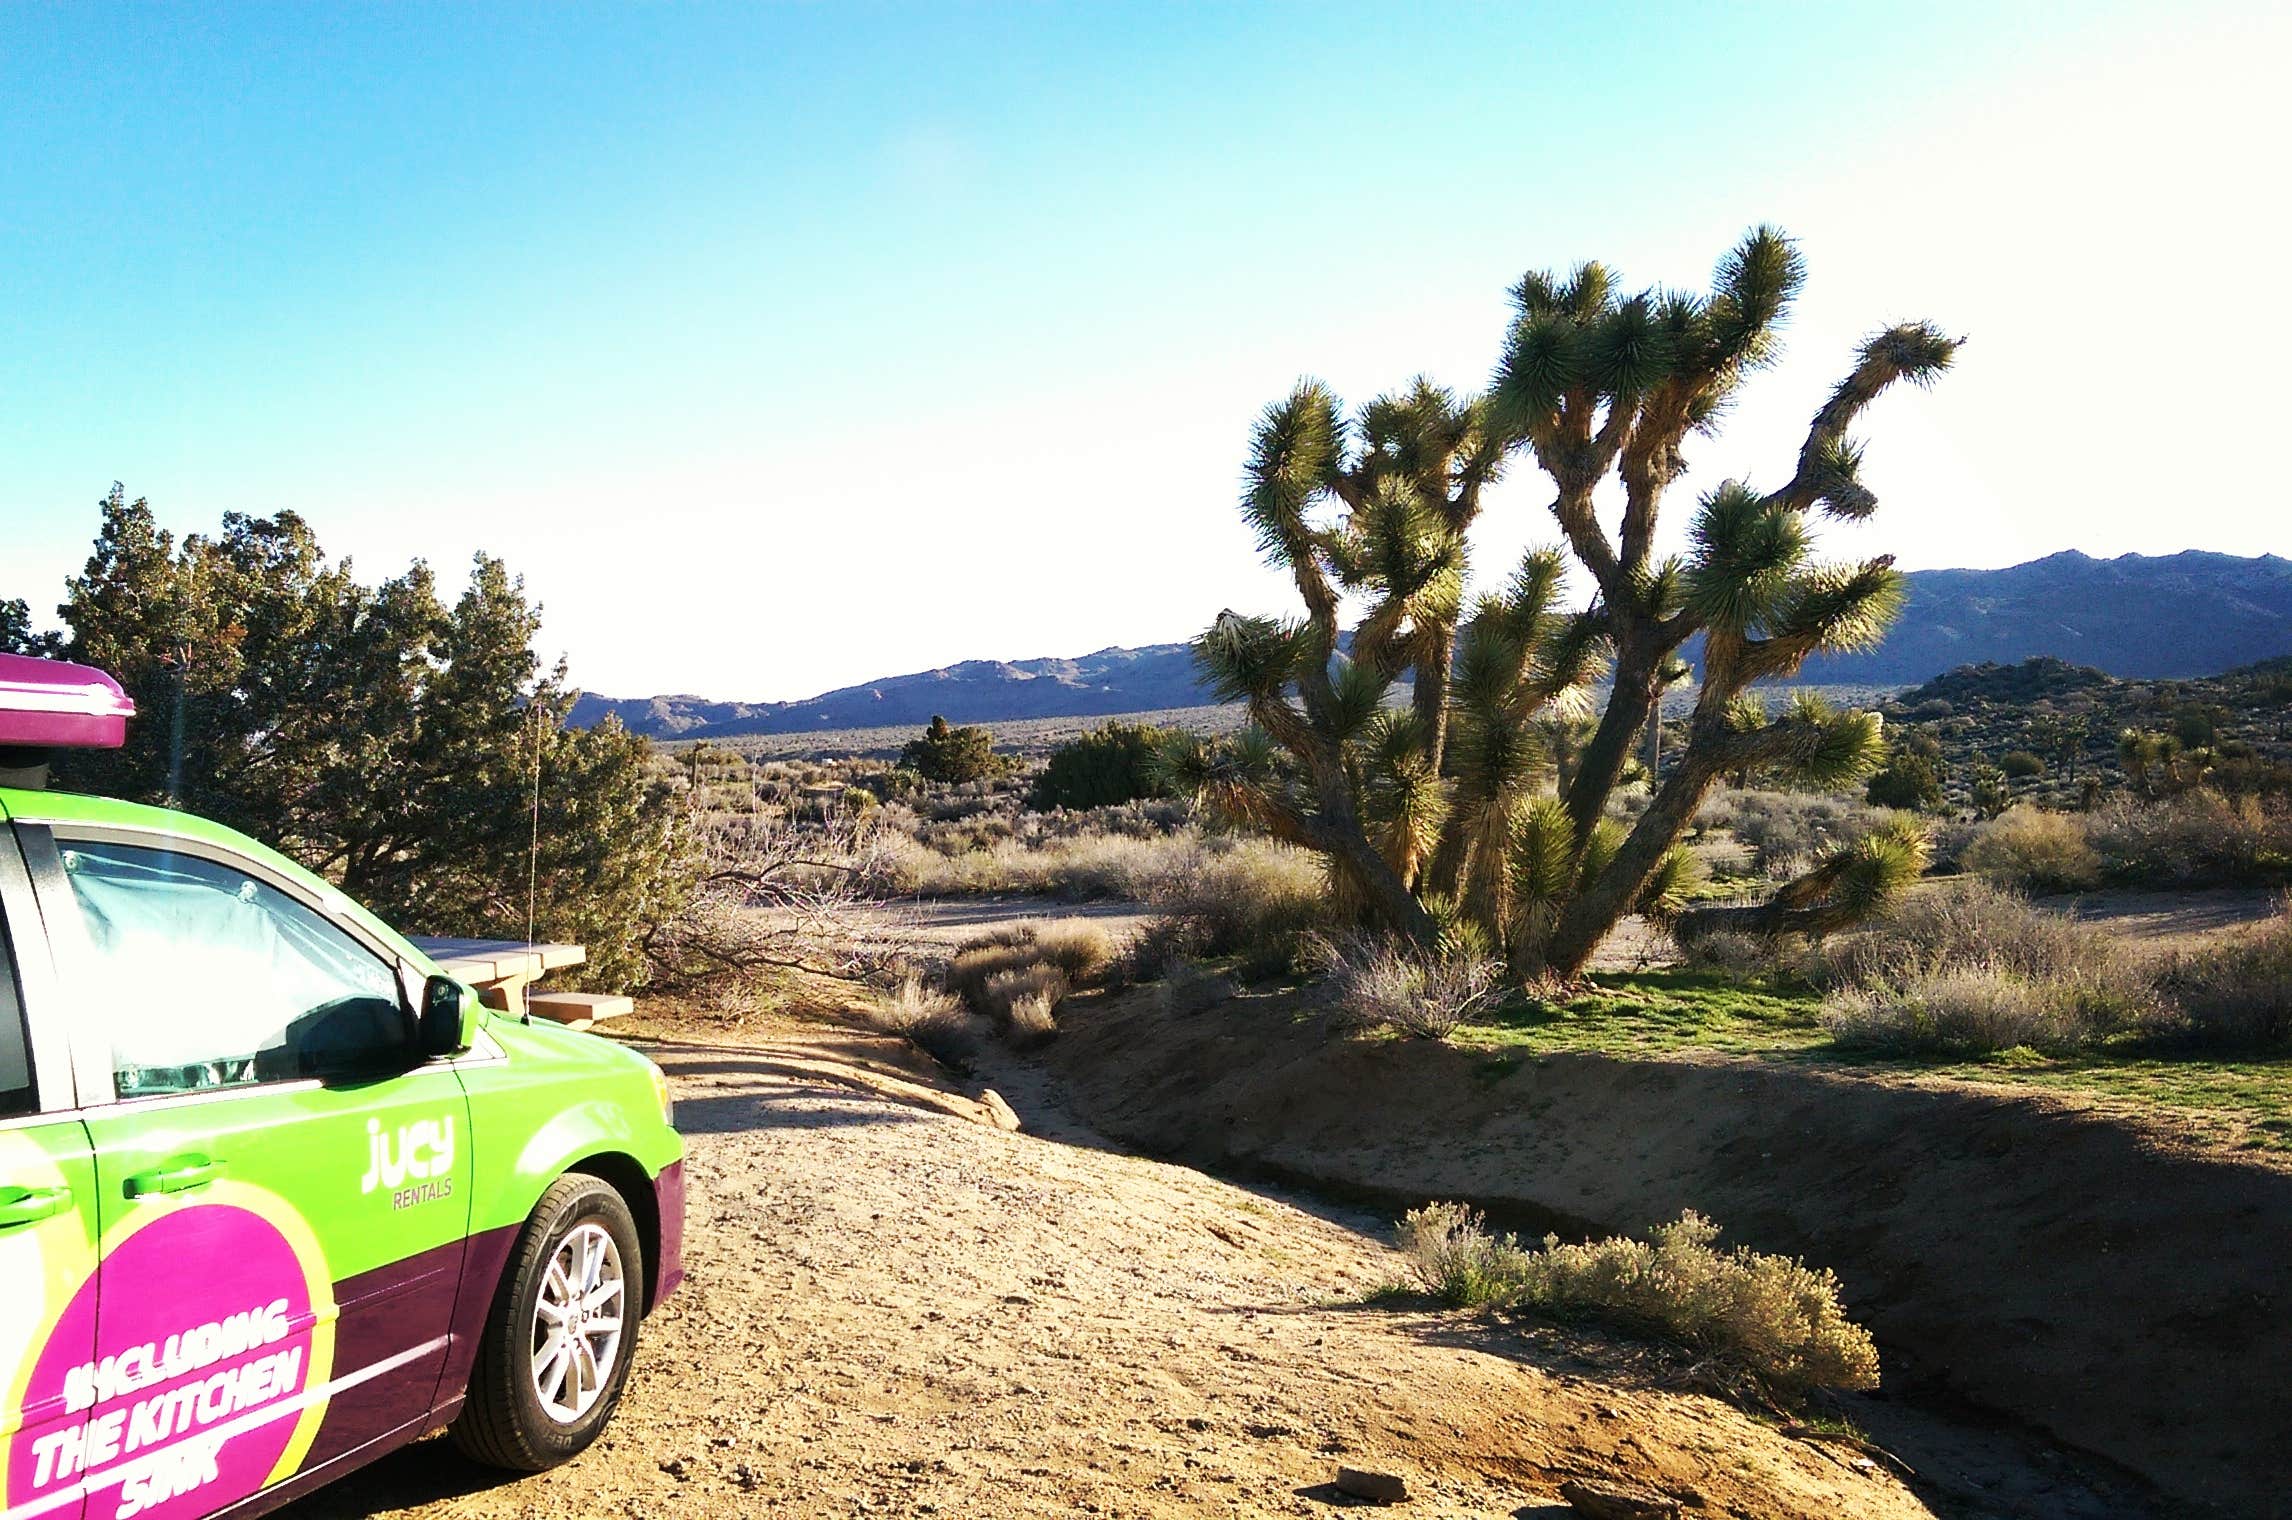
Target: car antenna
533 844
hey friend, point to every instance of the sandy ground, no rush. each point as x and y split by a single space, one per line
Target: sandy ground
942 925
2028 1260
2171 920
895 1310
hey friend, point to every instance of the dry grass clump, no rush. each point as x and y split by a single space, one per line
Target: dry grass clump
981 960
2031 848
1078 867
2237 994
935 1021
1376 984
1039 979
1029 1022
1772 1317
1018 974
1971 968
1087 953
1965 923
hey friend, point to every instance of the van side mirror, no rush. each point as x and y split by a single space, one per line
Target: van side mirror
449 1017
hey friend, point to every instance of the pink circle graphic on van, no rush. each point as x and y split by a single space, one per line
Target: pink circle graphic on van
185 1394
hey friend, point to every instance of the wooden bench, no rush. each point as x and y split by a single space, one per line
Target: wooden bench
578 1010
499 969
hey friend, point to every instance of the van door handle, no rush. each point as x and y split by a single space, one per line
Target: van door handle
31 1205
178 1174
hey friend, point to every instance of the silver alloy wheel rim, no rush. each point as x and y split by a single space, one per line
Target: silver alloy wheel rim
577 1324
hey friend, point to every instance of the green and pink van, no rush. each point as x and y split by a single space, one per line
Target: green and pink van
276 1196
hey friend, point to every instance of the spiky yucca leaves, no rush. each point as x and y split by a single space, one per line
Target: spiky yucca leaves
1550 867
1847 886
1520 657
1544 874
1403 803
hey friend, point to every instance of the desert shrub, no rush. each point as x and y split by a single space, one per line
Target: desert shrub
935 1021
1970 923
1783 827
2197 727
2239 993
1376 984
1254 898
1960 1010
2021 765
1906 780
2030 847
2196 838
1029 1021
1724 857
1972 968
1773 1317
1113 763
1456 1259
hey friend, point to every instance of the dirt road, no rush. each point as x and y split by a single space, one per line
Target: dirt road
894 1310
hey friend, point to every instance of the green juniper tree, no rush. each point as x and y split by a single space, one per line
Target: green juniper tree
17 636
941 753
388 739
1431 814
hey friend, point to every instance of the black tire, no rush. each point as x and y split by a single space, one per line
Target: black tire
504 1422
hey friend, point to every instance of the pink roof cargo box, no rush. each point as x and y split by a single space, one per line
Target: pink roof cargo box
54 704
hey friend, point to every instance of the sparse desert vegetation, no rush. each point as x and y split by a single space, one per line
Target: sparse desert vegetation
1772 1318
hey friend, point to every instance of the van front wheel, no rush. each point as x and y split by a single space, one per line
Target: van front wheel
556 1351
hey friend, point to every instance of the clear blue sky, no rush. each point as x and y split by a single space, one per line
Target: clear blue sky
780 347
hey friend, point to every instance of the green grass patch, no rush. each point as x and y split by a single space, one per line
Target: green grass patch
1654 1012
2243 1104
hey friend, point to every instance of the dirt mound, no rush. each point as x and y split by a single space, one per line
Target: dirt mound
2070 1269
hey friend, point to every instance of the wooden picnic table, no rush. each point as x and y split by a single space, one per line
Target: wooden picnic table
500 969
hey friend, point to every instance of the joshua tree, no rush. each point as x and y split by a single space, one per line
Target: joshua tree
1429 815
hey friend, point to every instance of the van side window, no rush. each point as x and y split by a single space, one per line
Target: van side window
206 977
15 1058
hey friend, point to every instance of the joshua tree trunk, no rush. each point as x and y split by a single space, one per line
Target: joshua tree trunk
1601 765
1615 891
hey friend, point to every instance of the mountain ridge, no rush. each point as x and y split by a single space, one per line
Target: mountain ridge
2194 613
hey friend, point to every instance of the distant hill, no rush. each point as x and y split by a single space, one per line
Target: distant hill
2153 617
2143 616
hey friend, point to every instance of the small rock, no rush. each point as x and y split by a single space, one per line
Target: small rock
1609 1501
999 1113
1383 1488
